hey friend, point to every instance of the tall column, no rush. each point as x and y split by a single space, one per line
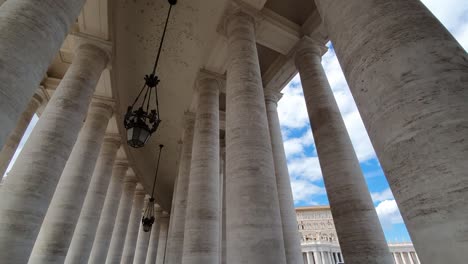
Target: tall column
358 228
408 76
223 202
292 244
121 221
30 40
142 245
134 221
13 140
38 168
99 249
64 210
154 238
86 227
251 192
201 235
162 241
309 259
176 235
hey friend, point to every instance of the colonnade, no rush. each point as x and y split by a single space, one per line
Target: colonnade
68 199
322 257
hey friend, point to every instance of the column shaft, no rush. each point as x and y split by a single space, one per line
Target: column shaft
142 245
121 221
154 240
291 235
85 231
13 140
162 241
108 215
64 210
40 164
133 228
201 235
32 33
251 193
358 228
408 76
176 235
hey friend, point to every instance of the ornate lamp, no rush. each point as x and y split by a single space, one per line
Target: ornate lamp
148 215
142 122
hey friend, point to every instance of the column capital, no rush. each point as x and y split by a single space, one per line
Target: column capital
130 178
272 96
140 190
205 76
85 40
99 105
237 10
121 163
112 138
309 45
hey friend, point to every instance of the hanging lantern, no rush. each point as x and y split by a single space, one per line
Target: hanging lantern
142 122
148 215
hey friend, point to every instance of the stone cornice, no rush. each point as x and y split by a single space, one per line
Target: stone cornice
272 96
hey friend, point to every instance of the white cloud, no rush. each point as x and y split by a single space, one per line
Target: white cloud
307 168
388 213
382 196
292 110
294 146
305 191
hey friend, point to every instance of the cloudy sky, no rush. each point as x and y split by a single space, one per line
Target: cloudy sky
304 169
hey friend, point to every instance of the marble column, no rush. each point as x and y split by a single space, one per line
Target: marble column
201 235
133 228
162 240
360 235
223 202
176 235
116 245
251 192
64 210
104 230
13 140
142 245
38 168
408 76
292 244
317 259
309 259
86 227
154 238
32 33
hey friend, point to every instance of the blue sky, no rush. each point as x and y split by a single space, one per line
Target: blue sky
304 168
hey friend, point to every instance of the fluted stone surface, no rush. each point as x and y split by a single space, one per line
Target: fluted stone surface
11 144
201 236
109 212
154 239
142 245
176 233
357 225
116 245
163 226
408 76
133 228
32 33
86 227
251 194
27 191
292 244
64 210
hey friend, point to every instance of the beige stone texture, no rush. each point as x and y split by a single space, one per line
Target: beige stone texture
409 78
201 235
142 245
27 192
162 238
32 32
133 228
154 239
64 210
251 193
86 227
106 224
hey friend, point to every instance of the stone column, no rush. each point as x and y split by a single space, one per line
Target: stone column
223 201
309 260
40 164
30 41
13 140
317 259
408 76
64 210
292 244
142 245
107 219
201 235
154 238
85 231
358 228
176 235
162 241
251 192
133 228
121 221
